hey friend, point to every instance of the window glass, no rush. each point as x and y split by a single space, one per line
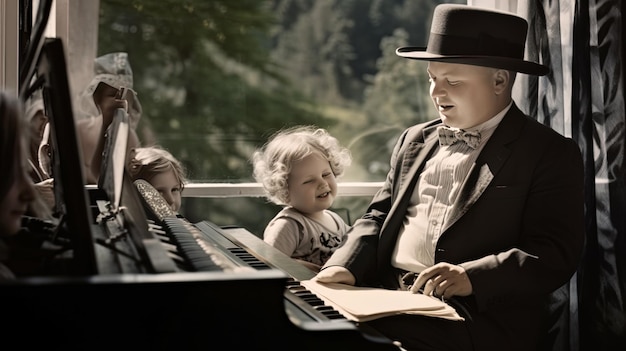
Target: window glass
216 78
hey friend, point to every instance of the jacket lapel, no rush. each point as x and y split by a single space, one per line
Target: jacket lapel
489 162
423 143
413 160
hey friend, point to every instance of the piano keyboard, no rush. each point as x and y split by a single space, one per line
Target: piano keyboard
205 246
189 248
324 312
303 307
193 252
209 248
301 303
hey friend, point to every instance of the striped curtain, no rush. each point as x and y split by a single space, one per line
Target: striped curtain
583 98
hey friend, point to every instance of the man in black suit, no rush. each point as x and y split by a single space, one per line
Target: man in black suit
482 206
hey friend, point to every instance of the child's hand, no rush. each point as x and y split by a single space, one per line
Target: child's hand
335 274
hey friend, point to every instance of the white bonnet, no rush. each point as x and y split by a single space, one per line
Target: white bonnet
114 70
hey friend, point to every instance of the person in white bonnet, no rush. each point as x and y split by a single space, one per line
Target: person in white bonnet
100 99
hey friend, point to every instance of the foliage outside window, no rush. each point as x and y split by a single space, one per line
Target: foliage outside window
216 78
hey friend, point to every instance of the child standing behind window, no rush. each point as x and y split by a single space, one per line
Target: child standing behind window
298 168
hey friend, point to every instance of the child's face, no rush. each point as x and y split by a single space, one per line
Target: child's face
15 203
169 187
312 184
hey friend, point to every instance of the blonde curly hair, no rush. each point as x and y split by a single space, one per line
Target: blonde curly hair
272 163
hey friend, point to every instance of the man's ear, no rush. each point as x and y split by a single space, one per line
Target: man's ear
501 81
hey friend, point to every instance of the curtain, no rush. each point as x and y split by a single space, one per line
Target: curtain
583 98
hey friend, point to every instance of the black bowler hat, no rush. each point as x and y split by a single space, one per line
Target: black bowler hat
476 36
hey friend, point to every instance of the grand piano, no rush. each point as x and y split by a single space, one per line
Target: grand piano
119 271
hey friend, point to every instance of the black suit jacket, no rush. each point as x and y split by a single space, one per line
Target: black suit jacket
517 227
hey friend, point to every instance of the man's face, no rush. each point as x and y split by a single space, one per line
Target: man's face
464 95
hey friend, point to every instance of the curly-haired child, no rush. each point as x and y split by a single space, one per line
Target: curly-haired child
298 168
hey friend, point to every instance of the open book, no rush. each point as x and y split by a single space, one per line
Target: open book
361 304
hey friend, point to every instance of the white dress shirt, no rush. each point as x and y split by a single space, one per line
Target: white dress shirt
435 193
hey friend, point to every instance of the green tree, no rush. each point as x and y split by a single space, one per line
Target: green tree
216 78
209 89
315 50
201 71
396 98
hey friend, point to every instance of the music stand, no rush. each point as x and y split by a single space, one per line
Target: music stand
114 159
69 185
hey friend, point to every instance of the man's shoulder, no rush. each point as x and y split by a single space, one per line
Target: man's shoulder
535 128
543 131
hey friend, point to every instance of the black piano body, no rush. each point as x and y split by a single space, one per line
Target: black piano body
150 292
245 309
178 311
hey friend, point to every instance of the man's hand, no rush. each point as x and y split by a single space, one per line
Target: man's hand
335 274
443 280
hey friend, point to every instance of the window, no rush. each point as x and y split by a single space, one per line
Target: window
216 78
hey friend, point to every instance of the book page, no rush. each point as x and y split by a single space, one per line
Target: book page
362 304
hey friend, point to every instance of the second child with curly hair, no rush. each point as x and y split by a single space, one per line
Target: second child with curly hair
298 168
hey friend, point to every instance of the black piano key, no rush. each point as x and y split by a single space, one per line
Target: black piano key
199 254
324 308
314 301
